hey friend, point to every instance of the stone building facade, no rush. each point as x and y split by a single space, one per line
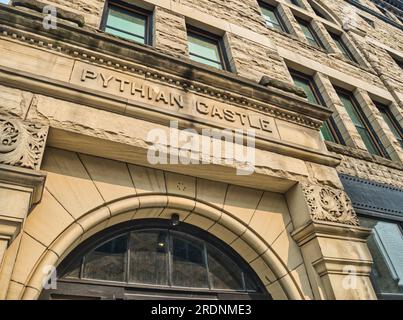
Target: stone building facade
321 215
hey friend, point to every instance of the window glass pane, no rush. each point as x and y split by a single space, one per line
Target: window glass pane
107 262
361 128
188 262
271 18
386 246
74 270
392 126
207 62
204 50
149 257
326 133
128 25
308 34
224 273
342 47
304 85
368 141
347 103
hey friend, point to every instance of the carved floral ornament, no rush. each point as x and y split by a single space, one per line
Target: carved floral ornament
21 143
329 204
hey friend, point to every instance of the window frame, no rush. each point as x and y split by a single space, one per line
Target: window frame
386 110
330 122
126 228
368 127
130 8
338 39
317 39
283 27
220 44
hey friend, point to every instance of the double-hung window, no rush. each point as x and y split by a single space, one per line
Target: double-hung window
127 22
206 48
392 123
310 34
342 47
328 131
361 123
272 17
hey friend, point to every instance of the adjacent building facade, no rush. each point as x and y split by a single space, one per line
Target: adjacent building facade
116 183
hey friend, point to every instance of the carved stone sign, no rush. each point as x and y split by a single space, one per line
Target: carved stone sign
166 97
21 143
329 204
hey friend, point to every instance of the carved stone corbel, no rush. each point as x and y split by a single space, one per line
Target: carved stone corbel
21 143
329 204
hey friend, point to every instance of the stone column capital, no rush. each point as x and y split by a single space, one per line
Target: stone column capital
329 204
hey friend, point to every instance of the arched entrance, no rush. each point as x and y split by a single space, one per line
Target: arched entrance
153 259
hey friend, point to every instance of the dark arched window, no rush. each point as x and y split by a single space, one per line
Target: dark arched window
149 259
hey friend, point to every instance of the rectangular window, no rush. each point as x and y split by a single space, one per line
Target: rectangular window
127 22
309 33
272 17
328 130
342 47
361 123
206 48
391 122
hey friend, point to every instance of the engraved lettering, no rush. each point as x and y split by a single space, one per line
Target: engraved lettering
106 80
161 96
202 107
241 117
254 122
88 74
229 115
266 125
122 84
142 89
178 100
217 112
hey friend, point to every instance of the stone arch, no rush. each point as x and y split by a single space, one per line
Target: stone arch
263 260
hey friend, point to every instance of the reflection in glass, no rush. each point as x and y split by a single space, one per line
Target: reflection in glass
107 262
204 50
188 263
148 257
224 273
126 24
386 246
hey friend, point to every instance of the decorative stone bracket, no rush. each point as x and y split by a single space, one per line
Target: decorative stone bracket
21 143
329 204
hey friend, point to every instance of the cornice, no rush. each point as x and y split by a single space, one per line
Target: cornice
128 57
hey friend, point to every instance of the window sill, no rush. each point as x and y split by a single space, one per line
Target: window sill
340 57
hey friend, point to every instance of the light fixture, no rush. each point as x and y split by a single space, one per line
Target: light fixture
175 220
